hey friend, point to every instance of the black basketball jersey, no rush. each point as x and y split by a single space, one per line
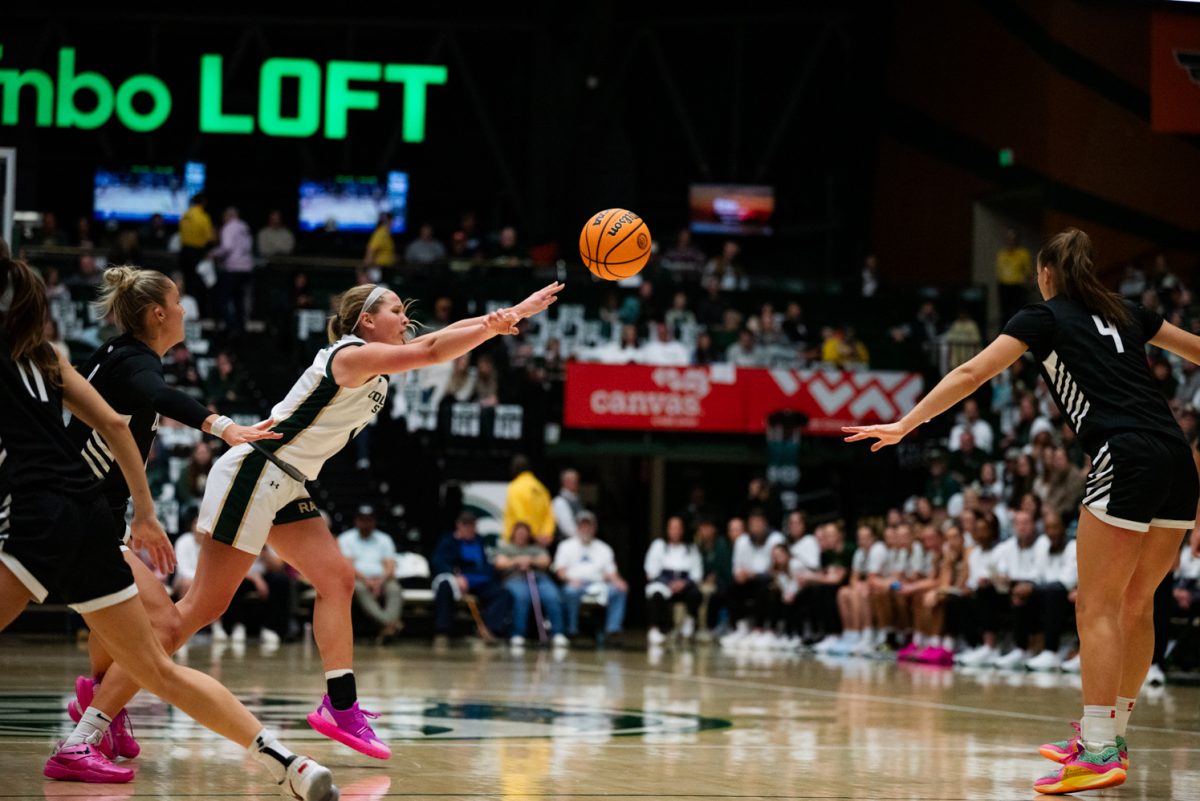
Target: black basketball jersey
1097 372
128 374
35 452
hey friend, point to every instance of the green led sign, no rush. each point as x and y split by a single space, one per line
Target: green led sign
324 97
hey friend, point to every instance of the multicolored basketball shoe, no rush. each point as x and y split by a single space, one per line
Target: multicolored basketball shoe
349 727
84 763
308 780
1084 770
1062 750
119 741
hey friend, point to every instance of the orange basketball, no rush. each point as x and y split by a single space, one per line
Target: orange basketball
615 244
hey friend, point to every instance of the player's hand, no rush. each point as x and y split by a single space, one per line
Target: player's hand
539 301
147 533
236 435
888 434
502 321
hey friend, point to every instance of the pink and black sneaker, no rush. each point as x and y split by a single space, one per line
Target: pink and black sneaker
84 763
85 690
349 727
119 741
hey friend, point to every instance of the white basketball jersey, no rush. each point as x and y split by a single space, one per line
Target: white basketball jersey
318 418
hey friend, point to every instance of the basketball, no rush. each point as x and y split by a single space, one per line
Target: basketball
615 244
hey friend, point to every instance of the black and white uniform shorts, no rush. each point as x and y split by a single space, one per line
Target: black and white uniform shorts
117 508
1140 479
64 546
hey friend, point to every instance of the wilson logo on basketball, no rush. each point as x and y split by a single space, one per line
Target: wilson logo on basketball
627 217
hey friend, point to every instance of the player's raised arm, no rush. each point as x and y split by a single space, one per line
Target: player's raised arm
959 383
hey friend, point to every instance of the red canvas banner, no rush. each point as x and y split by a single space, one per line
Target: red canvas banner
733 400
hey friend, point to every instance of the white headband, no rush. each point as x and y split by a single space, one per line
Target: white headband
376 293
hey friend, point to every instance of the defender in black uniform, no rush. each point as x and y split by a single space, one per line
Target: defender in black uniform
1141 493
127 372
48 500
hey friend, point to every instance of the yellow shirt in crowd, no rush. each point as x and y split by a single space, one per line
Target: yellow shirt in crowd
382 248
528 501
195 228
1013 266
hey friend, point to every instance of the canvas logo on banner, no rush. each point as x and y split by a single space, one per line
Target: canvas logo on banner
737 400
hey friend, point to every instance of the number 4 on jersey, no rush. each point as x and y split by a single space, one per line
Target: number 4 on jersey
1109 331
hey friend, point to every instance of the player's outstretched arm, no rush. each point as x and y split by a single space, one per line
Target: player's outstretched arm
958 384
534 304
353 366
1180 342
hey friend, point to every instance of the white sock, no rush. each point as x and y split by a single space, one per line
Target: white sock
869 634
271 754
337 674
850 635
948 643
1099 727
1124 710
93 721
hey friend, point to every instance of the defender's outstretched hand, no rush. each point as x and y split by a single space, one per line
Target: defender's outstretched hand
887 434
236 434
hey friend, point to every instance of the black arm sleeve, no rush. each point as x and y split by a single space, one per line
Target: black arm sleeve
168 402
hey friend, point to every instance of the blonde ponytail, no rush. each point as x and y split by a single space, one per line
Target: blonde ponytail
127 293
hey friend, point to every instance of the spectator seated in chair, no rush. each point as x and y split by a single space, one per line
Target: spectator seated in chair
674 570
522 564
373 554
587 568
462 567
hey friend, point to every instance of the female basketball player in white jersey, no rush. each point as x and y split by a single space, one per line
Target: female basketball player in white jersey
1141 493
50 502
256 492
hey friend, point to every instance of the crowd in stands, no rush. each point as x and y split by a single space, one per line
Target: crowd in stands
976 568
687 307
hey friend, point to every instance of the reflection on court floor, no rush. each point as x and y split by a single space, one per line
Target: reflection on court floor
490 723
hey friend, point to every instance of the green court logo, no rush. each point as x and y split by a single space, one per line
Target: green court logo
401 718
325 96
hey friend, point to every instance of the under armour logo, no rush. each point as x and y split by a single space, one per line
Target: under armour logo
274 484
1190 61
